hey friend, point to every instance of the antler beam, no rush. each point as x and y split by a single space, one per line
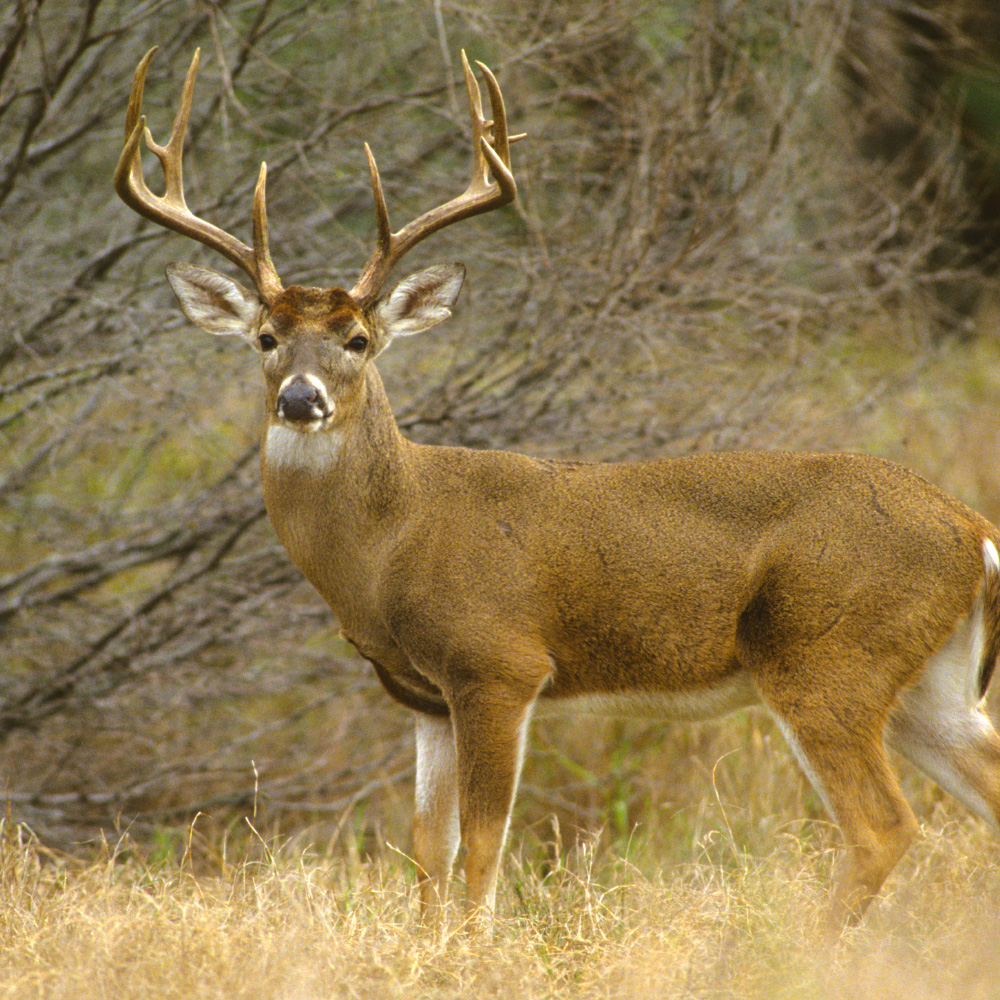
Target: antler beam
170 209
492 186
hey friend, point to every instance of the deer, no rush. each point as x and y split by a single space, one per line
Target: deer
858 604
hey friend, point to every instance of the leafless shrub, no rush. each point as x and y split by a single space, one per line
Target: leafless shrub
694 244
923 79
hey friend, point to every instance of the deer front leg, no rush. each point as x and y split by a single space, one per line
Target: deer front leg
491 725
435 819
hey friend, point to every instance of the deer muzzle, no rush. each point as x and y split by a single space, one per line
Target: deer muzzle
302 401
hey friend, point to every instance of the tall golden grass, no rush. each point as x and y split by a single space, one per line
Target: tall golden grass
273 923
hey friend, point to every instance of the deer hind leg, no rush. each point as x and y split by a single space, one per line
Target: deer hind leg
939 724
435 818
852 775
837 739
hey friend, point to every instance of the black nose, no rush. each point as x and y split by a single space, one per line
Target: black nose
301 402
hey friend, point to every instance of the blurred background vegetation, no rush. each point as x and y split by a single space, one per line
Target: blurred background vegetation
742 223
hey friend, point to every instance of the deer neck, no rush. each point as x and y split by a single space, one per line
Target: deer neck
337 497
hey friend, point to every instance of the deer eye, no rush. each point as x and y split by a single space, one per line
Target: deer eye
267 342
358 343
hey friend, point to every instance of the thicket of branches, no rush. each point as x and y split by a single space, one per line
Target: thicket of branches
697 237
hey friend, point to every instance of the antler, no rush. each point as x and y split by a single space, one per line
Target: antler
170 209
490 157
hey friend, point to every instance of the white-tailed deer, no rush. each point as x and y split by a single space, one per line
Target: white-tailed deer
854 601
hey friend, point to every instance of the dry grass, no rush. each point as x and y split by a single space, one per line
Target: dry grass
274 925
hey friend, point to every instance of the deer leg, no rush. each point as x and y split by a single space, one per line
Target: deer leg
851 773
435 818
491 725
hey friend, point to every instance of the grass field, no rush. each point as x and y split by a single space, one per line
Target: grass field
275 923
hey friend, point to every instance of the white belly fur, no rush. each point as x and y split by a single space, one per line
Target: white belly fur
732 694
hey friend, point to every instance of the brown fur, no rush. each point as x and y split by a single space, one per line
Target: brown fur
330 309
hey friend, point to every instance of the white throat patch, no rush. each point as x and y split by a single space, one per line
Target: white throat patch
288 448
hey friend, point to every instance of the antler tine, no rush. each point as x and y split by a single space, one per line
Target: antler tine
492 185
384 239
170 209
478 122
499 161
171 155
133 115
265 273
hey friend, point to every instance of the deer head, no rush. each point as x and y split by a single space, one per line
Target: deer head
315 342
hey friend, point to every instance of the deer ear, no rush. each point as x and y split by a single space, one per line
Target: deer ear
422 300
214 302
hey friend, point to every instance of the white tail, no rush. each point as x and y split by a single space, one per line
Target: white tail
854 601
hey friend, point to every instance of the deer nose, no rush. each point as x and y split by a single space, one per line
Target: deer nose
302 402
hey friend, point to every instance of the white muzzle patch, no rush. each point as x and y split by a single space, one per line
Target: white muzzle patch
307 411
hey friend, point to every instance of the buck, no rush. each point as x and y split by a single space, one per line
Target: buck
858 604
